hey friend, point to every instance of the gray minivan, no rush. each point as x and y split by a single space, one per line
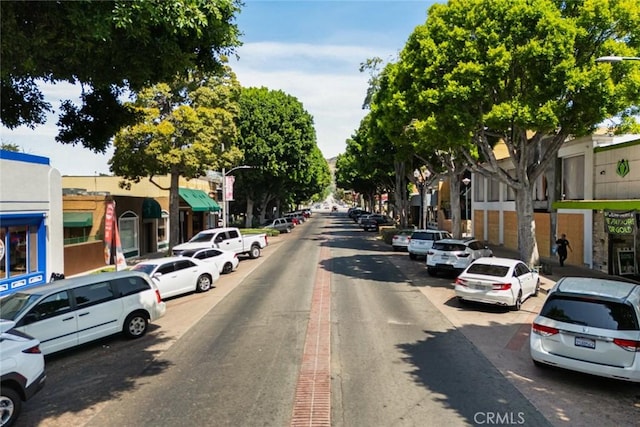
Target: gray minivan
66 313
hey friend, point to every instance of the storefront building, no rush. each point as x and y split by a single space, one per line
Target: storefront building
31 231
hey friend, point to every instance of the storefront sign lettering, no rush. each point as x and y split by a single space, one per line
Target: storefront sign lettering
620 222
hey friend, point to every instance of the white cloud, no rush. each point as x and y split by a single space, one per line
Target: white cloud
324 78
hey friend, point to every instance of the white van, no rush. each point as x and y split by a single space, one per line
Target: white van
70 312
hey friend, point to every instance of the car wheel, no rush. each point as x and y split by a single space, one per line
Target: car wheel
227 268
432 271
10 406
412 256
255 251
518 305
536 291
204 283
135 325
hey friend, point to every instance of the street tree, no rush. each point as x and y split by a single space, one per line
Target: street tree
110 48
522 72
278 139
187 129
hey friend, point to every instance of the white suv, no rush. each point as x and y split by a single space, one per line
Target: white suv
422 240
453 255
22 372
590 325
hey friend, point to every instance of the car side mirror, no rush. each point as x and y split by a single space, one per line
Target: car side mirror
157 275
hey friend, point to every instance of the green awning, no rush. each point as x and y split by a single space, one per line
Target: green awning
77 219
151 208
198 200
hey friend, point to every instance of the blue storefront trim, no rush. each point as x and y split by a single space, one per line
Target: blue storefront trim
30 278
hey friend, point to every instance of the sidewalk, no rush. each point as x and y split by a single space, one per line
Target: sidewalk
547 280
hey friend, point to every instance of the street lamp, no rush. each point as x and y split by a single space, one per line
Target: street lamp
466 182
225 202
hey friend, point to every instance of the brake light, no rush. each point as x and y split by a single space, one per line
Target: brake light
629 345
32 350
545 331
158 297
501 286
460 282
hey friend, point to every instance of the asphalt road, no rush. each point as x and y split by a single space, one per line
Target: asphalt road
403 352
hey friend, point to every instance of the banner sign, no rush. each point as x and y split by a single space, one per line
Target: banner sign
108 231
228 187
112 237
620 222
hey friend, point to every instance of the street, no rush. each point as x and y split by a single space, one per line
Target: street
403 353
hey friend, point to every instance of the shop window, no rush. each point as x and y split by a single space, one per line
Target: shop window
128 228
573 178
18 250
163 231
478 188
494 190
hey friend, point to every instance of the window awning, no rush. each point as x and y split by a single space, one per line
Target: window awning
198 200
151 208
77 219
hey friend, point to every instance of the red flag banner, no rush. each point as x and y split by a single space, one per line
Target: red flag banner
108 231
121 263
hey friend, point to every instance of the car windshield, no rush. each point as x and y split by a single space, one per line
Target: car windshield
201 237
13 305
422 235
449 247
488 269
145 268
594 313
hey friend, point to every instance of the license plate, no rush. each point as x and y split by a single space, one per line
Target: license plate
585 342
479 286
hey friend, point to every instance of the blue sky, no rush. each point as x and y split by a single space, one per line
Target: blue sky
309 49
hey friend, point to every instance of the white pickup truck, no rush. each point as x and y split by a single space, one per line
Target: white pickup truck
229 239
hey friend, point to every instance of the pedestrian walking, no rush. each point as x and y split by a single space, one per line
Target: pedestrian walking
562 245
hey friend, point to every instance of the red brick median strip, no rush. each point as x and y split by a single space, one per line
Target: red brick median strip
312 405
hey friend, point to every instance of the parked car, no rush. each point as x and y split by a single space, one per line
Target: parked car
454 255
297 216
74 311
179 275
499 281
374 221
228 239
400 240
279 224
421 241
590 325
293 221
22 371
226 261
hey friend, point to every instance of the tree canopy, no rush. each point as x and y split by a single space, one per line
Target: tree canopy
277 135
187 130
108 47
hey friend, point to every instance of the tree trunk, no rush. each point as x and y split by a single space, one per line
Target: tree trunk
527 245
174 211
249 213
